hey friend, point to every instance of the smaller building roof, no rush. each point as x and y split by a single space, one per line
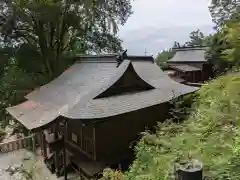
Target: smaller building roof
187 48
169 72
189 54
178 79
185 68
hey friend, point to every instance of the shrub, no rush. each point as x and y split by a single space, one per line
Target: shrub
210 134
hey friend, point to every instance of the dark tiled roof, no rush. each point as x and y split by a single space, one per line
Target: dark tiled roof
73 93
178 79
32 114
188 48
189 55
185 68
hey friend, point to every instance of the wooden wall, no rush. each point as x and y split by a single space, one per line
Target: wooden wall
115 135
195 76
194 64
81 135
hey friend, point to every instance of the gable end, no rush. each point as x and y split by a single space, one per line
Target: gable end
129 82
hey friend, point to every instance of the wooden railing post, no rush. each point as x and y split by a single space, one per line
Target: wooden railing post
94 144
44 145
16 144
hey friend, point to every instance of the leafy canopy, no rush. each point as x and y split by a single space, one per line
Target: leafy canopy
197 38
53 27
222 10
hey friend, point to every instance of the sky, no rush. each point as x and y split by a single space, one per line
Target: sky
156 24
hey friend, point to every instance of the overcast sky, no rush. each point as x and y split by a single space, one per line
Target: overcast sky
151 17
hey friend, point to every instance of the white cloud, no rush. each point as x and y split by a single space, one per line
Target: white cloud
168 13
167 17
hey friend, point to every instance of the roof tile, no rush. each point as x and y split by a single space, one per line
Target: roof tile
72 93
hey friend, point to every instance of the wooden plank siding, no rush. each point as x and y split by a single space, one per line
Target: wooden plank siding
194 64
109 139
115 135
81 136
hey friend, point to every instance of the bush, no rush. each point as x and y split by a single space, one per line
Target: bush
210 134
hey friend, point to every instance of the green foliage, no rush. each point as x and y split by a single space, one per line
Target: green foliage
222 10
50 28
110 174
217 45
163 57
232 37
176 44
197 38
210 134
224 46
182 107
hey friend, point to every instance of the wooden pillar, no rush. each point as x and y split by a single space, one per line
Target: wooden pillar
64 150
94 144
81 135
44 146
65 163
120 167
33 142
38 139
40 143
56 153
57 164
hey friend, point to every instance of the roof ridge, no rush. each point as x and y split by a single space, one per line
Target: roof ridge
99 58
96 55
121 73
190 48
112 58
140 58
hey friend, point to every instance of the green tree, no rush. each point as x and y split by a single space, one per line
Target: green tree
50 28
197 38
176 44
232 38
163 57
216 46
222 10
224 45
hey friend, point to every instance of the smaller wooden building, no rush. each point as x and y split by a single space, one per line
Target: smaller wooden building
190 65
89 116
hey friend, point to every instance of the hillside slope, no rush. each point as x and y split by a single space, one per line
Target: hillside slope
211 134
